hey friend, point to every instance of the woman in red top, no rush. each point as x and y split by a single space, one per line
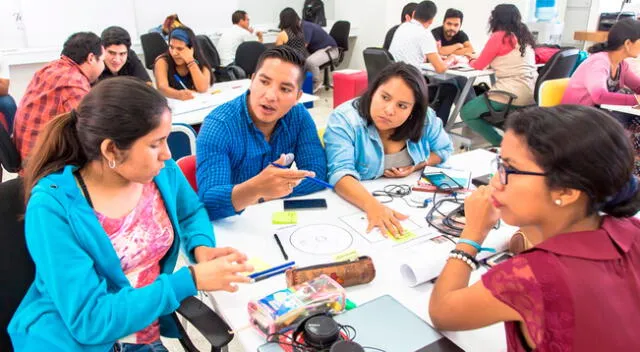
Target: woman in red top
578 288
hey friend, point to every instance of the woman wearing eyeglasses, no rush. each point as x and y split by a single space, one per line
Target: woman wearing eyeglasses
566 172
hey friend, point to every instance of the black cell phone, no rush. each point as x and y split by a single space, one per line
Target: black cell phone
481 180
297 204
498 258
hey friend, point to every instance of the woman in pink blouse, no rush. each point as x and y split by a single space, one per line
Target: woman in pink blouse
566 172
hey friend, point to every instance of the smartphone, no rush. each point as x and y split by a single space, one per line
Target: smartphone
298 204
481 180
498 258
442 180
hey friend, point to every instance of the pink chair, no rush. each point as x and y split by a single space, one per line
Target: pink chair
188 166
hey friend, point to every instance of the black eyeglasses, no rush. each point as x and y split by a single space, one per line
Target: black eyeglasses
504 172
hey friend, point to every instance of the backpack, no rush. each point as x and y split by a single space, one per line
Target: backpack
313 11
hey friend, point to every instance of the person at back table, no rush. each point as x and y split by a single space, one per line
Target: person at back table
239 33
108 212
119 59
405 16
450 38
57 88
389 131
322 47
605 77
182 70
509 52
565 171
291 33
239 140
7 104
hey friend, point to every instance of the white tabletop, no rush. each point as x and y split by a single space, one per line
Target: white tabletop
252 232
193 112
627 109
454 72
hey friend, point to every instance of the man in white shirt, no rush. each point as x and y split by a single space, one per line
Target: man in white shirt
7 104
239 33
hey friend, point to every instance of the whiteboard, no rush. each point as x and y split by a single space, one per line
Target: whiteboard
11 35
48 23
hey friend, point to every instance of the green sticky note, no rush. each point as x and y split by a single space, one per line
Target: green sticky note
344 256
284 218
403 237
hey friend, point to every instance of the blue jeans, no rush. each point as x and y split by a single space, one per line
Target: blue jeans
8 109
156 346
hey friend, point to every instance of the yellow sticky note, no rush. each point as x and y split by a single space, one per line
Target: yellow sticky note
348 255
284 218
216 91
403 237
258 265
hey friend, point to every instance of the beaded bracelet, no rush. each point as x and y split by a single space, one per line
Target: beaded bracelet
465 257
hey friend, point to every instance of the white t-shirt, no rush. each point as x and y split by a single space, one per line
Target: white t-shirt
411 43
230 41
4 68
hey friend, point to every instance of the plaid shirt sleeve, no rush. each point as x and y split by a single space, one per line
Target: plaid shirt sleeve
213 168
309 155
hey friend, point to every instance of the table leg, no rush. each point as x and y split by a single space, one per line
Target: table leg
459 103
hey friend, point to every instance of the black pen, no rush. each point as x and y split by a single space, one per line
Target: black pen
284 254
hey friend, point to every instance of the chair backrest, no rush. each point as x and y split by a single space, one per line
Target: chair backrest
551 92
340 32
560 65
182 140
188 166
389 37
208 50
247 56
17 270
153 45
376 59
9 156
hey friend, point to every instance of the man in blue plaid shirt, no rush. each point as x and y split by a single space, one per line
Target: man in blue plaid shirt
239 140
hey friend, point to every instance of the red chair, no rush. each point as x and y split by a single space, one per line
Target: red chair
188 166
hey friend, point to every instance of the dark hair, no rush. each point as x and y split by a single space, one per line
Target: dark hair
413 127
598 160
115 35
238 16
506 17
453 13
290 20
628 28
197 53
425 11
122 109
286 54
79 45
408 10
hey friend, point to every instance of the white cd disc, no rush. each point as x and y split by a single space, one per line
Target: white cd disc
321 239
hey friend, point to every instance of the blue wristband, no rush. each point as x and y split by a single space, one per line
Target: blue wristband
477 246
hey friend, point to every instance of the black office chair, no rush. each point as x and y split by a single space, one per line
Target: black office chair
210 53
560 65
9 156
153 45
340 33
389 37
247 56
17 272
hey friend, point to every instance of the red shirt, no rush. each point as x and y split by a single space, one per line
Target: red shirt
577 291
55 89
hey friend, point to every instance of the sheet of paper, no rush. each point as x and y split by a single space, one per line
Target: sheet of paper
358 222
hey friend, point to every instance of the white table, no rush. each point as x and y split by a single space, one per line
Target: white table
252 233
627 109
193 112
471 76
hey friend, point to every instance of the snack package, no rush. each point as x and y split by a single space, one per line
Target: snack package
286 308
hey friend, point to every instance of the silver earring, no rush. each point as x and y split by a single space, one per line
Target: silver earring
112 164
558 202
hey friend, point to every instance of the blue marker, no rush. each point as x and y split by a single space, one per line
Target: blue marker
284 266
266 276
316 180
175 75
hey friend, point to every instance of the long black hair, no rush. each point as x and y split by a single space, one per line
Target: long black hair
583 148
122 109
197 52
628 28
413 127
290 20
507 18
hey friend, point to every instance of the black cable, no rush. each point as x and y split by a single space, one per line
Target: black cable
390 192
373 348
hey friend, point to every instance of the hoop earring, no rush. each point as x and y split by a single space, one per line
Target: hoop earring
112 164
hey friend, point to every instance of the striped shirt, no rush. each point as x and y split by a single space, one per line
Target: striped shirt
55 89
231 150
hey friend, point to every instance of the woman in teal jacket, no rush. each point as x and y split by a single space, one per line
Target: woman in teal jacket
389 131
107 212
